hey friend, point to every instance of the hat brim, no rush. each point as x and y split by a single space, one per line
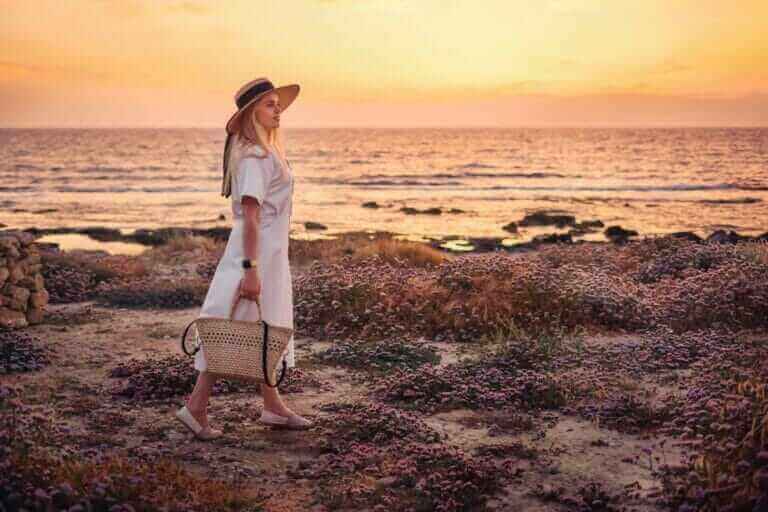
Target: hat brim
286 93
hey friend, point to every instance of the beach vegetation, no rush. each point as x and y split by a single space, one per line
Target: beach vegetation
379 356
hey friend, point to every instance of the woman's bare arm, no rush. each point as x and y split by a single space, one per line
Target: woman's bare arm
251 214
251 286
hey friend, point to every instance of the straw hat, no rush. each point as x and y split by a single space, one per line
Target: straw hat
245 96
254 90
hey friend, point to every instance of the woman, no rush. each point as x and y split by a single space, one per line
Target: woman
255 262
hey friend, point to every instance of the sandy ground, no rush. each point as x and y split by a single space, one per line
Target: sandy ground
89 341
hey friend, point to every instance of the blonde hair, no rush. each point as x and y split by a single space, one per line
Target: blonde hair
252 133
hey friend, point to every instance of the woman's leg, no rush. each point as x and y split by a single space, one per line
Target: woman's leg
273 402
198 400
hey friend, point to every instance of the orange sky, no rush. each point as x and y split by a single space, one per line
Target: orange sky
387 62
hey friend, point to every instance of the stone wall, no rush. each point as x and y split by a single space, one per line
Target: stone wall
22 289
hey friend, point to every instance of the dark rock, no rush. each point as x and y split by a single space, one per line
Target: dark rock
371 204
584 227
617 234
486 244
686 235
546 219
552 238
456 210
102 234
408 210
222 217
725 237
511 227
314 225
158 236
38 232
151 237
742 200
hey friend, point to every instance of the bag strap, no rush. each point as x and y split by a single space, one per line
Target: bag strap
184 340
231 313
264 360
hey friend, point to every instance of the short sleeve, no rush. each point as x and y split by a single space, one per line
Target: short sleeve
253 177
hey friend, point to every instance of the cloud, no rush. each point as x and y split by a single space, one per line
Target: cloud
569 7
15 66
196 8
140 8
25 69
670 66
126 8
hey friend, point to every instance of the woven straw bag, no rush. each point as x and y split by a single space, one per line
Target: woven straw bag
240 349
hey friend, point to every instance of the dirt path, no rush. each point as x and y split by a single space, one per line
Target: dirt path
560 455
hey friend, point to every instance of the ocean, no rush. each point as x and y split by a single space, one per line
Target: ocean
651 180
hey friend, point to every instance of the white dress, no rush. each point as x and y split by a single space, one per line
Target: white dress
262 179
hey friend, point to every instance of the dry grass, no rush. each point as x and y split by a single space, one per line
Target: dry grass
756 252
119 481
81 262
416 254
361 246
44 471
153 293
679 284
184 249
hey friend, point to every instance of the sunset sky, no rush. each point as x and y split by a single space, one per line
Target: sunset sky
402 63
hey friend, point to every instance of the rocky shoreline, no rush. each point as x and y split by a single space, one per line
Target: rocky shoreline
452 243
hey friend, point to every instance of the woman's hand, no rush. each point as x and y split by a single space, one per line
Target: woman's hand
250 285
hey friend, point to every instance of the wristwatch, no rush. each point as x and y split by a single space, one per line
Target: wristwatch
249 263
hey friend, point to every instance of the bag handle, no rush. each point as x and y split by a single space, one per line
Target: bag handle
235 302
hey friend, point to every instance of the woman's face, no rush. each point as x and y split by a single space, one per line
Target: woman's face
267 111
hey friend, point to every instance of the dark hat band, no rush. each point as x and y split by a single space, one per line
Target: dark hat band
254 91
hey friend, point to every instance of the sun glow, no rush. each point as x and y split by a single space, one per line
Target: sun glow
394 62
